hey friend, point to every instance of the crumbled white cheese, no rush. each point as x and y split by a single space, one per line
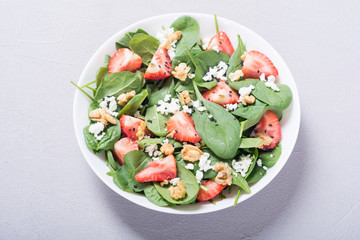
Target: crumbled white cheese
196 104
147 136
175 181
201 109
210 116
187 109
272 155
270 83
191 75
157 153
189 166
162 36
96 129
151 149
168 107
199 175
216 48
205 42
204 162
166 141
171 53
110 104
265 168
231 107
136 114
167 97
245 91
141 106
155 158
217 72
242 166
259 162
262 77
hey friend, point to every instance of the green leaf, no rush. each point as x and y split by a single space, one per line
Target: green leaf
252 111
191 186
243 83
190 31
133 105
235 62
250 142
222 136
120 82
239 181
134 162
149 141
184 56
156 122
186 85
154 196
145 46
269 158
112 134
124 41
167 88
102 72
277 99
111 162
256 174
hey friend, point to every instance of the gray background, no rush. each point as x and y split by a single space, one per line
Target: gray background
47 190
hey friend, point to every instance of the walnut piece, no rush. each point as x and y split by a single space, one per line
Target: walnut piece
141 130
185 97
165 44
167 149
224 173
181 71
165 182
266 140
249 99
243 56
124 98
174 36
100 115
191 153
177 192
235 76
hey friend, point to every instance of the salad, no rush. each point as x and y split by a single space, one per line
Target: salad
184 120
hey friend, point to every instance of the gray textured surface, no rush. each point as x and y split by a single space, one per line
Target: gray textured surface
47 191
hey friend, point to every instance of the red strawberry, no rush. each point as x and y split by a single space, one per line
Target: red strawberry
158 170
222 94
214 190
129 126
256 63
124 146
160 66
182 127
124 60
222 42
269 130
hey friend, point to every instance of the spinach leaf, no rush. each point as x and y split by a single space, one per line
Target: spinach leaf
186 85
111 162
250 111
167 88
251 122
239 181
156 122
148 141
124 41
184 56
222 136
190 31
145 46
269 158
280 99
120 82
235 62
256 174
133 105
102 72
191 186
202 62
112 134
253 163
154 196
134 162
243 83
250 142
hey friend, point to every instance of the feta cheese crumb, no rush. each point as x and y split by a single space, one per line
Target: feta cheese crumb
231 107
189 166
259 162
171 53
242 166
151 149
204 162
210 116
265 168
191 75
205 42
270 83
166 141
147 136
96 129
187 109
262 77
216 72
201 109
136 114
245 91
162 36
166 107
110 104
167 97
196 104
272 155
157 153
175 181
216 48
199 175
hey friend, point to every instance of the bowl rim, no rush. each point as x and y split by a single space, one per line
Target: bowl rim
180 209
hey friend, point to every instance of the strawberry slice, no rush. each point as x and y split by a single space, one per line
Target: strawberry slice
222 42
124 60
158 170
214 190
182 128
222 94
269 130
160 65
124 146
130 125
256 63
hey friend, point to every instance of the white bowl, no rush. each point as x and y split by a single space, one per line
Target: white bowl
290 122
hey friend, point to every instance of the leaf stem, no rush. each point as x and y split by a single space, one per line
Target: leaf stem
88 84
204 188
90 88
129 35
237 197
216 24
82 90
212 201
192 59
